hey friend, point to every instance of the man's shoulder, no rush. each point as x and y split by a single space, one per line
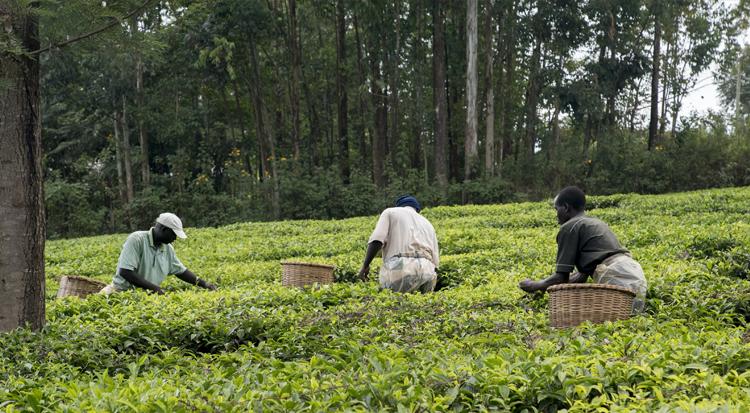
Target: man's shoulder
584 223
138 236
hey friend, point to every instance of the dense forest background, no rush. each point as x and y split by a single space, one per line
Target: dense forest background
236 110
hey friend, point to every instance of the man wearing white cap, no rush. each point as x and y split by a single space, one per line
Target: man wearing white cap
147 257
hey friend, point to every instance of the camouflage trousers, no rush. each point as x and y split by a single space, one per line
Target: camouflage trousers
624 271
405 274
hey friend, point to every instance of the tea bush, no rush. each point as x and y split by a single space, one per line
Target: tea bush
477 344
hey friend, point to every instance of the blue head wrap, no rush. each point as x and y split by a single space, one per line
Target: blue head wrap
408 200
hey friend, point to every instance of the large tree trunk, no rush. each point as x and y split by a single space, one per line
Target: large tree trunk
440 99
22 232
471 152
341 85
654 122
142 136
489 100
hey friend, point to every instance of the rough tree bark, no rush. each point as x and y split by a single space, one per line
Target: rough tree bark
22 232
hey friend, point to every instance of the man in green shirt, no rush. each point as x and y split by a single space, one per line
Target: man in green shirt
588 244
147 257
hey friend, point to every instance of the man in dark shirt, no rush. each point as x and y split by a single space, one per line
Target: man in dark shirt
588 244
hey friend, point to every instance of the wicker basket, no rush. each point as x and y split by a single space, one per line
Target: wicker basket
572 304
300 274
72 285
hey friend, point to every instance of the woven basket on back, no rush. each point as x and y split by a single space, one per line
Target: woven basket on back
572 304
72 285
300 274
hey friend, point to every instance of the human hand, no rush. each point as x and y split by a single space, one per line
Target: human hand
531 286
578 277
209 286
159 291
364 273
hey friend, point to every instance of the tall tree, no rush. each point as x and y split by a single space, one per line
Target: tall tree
654 120
142 133
22 225
440 98
341 91
471 152
489 99
294 85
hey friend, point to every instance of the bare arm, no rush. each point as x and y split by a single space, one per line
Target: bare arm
191 278
557 278
372 250
138 281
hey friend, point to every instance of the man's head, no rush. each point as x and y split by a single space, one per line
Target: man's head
168 227
569 202
408 200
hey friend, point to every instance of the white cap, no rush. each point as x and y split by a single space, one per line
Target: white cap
172 222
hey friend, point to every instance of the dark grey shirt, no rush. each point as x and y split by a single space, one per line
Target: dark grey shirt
584 242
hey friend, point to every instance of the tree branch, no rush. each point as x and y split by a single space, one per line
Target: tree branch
94 32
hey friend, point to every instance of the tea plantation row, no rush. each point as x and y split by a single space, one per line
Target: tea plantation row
476 344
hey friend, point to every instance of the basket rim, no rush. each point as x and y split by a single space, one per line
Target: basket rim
81 278
589 286
308 264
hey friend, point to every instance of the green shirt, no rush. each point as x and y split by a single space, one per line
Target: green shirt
584 242
140 255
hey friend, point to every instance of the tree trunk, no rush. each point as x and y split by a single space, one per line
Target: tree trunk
315 128
506 82
665 79
415 149
394 140
125 151
532 97
22 220
341 85
142 136
265 137
471 152
654 122
440 99
294 84
362 110
118 157
381 119
489 129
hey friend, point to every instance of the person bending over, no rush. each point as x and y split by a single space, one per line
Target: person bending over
410 249
589 245
147 257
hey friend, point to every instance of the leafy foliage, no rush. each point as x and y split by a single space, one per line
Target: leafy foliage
478 343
